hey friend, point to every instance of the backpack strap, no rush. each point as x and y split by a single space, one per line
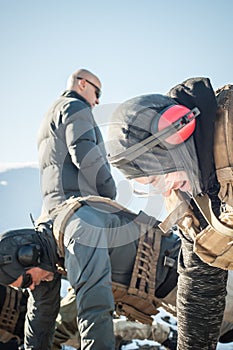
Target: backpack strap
62 214
204 205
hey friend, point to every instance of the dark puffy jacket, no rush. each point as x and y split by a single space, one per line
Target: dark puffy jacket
72 156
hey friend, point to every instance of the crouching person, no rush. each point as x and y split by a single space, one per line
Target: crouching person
112 257
28 260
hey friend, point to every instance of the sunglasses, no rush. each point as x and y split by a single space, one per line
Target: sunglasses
97 90
27 280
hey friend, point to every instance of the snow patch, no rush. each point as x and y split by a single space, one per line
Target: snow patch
8 166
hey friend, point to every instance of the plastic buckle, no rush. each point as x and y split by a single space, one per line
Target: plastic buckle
169 261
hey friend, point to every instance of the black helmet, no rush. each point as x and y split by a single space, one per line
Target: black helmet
22 249
18 252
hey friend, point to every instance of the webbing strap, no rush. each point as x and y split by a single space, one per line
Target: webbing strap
10 310
144 273
204 205
138 301
173 217
65 211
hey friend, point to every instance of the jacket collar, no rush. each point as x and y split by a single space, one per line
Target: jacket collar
74 94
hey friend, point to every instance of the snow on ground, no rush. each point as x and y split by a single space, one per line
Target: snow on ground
136 343
228 346
162 317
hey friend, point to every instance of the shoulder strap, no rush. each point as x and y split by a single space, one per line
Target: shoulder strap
62 214
204 205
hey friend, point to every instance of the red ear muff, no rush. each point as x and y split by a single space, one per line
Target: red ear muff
170 115
170 127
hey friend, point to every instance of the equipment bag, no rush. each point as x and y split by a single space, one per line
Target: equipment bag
223 143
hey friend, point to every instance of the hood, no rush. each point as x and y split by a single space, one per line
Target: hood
199 92
133 122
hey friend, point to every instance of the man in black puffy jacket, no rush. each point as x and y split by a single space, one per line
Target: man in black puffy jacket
72 156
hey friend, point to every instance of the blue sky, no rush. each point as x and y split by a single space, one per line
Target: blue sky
135 47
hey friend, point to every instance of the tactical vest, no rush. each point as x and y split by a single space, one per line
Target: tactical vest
214 244
136 301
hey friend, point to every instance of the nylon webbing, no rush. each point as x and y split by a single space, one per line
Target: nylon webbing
173 217
204 205
144 273
10 310
62 215
138 301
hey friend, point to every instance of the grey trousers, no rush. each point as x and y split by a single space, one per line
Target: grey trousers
99 247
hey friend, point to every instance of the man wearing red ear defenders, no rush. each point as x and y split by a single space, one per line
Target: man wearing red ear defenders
167 141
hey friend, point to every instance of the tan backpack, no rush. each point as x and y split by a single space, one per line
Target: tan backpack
214 244
223 143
